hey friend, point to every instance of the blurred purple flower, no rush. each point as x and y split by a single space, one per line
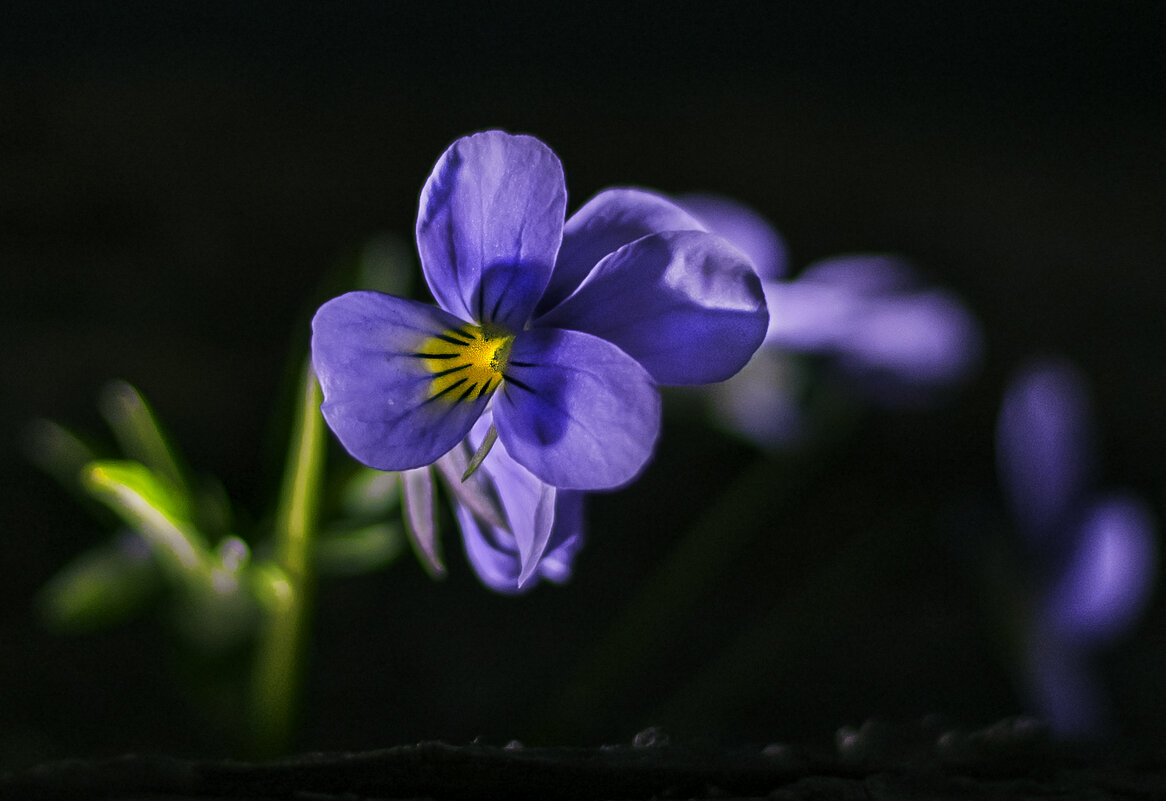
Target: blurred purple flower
565 329
869 319
1091 556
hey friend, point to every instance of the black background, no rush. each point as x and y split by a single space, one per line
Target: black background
178 181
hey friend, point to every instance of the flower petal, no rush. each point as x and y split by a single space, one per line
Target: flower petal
903 348
744 227
378 390
528 503
1044 451
577 411
1110 575
420 521
494 555
821 308
687 305
491 552
865 274
490 225
567 537
901 345
605 223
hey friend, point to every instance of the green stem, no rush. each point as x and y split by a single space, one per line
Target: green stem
275 691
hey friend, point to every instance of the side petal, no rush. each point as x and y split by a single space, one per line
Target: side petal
605 223
368 352
1044 452
687 305
489 226
420 521
577 411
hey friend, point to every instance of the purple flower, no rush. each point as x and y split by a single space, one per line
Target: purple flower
868 319
876 322
564 329
1090 556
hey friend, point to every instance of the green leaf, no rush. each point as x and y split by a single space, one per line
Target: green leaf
364 550
101 587
150 506
57 450
369 494
139 433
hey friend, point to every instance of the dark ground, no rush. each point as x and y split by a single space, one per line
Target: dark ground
176 184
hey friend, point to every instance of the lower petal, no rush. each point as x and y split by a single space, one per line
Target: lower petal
544 525
494 555
527 502
382 397
577 411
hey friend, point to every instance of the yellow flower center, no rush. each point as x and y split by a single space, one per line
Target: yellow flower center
468 362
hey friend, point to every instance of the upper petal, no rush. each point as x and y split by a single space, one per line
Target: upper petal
577 411
605 223
686 304
490 224
368 353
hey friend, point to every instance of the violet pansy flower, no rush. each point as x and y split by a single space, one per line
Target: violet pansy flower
866 318
876 322
563 327
1088 556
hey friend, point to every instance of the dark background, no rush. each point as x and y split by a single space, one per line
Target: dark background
178 181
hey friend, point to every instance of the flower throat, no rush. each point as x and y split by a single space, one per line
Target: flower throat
467 362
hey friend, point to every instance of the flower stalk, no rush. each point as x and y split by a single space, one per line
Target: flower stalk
278 664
